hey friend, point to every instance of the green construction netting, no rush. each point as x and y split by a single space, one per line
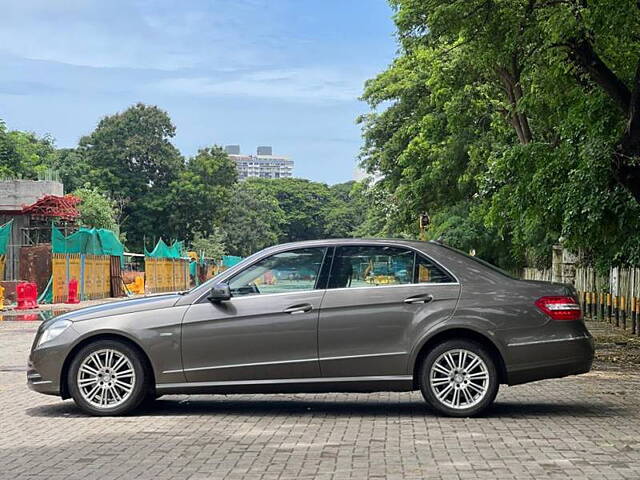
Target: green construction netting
92 241
47 295
5 234
230 260
162 250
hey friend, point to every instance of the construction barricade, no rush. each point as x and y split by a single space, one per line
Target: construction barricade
89 259
166 268
90 272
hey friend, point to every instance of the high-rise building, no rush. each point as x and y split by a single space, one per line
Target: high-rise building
261 165
232 149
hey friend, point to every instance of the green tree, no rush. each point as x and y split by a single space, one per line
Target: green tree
71 167
200 196
211 246
254 222
345 211
23 154
518 117
305 204
130 156
96 209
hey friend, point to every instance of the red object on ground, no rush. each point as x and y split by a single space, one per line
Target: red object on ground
72 296
27 296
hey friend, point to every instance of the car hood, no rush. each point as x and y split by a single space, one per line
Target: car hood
123 306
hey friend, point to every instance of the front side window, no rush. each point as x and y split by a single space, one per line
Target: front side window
290 271
364 266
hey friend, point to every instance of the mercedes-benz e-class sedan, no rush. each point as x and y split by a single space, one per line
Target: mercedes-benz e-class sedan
321 316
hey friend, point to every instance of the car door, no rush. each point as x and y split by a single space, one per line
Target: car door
267 330
378 298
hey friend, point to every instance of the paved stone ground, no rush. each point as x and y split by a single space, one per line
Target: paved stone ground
578 427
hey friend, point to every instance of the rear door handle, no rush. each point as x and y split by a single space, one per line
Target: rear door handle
419 299
301 308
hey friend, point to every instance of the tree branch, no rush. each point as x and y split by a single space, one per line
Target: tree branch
582 54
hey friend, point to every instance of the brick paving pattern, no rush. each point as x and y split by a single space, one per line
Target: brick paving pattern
577 427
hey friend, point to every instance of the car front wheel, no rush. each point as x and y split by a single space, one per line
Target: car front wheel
459 378
107 377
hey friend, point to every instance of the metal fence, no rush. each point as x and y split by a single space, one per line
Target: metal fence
166 274
613 297
91 271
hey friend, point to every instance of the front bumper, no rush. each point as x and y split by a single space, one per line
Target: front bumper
37 383
46 362
551 359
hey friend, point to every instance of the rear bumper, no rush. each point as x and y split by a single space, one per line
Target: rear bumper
553 358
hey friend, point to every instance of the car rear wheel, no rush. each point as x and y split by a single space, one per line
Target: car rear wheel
459 378
108 377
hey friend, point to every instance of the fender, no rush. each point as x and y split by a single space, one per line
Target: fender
479 326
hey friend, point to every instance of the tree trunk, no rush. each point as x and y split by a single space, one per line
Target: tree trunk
511 85
626 163
626 157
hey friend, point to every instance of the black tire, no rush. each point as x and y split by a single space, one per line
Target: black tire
479 402
140 381
150 398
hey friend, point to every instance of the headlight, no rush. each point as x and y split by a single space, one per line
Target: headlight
53 330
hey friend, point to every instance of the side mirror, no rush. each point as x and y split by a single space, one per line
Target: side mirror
220 293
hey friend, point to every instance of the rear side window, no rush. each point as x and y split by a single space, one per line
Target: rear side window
427 272
373 266
364 266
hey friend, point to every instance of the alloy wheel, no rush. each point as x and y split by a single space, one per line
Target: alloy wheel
459 379
106 378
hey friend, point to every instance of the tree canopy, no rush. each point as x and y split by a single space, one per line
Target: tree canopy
513 122
96 209
24 154
130 156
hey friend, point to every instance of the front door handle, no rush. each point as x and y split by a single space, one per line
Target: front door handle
419 299
300 308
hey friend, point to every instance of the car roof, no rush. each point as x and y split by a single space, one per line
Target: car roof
352 241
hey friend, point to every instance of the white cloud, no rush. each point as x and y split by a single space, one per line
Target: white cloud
158 34
301 84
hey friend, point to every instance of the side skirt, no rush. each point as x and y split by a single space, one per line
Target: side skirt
395 383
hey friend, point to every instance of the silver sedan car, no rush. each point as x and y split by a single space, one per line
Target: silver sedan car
321 316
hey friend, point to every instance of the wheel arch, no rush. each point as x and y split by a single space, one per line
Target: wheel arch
459 333
64 386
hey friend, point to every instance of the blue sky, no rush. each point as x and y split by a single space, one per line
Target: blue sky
286 73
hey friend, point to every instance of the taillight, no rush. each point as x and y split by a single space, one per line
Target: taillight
560 308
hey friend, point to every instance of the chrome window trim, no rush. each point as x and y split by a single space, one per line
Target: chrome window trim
397 245
265 295
394 286
337 245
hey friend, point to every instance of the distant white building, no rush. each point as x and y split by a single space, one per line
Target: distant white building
264 164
